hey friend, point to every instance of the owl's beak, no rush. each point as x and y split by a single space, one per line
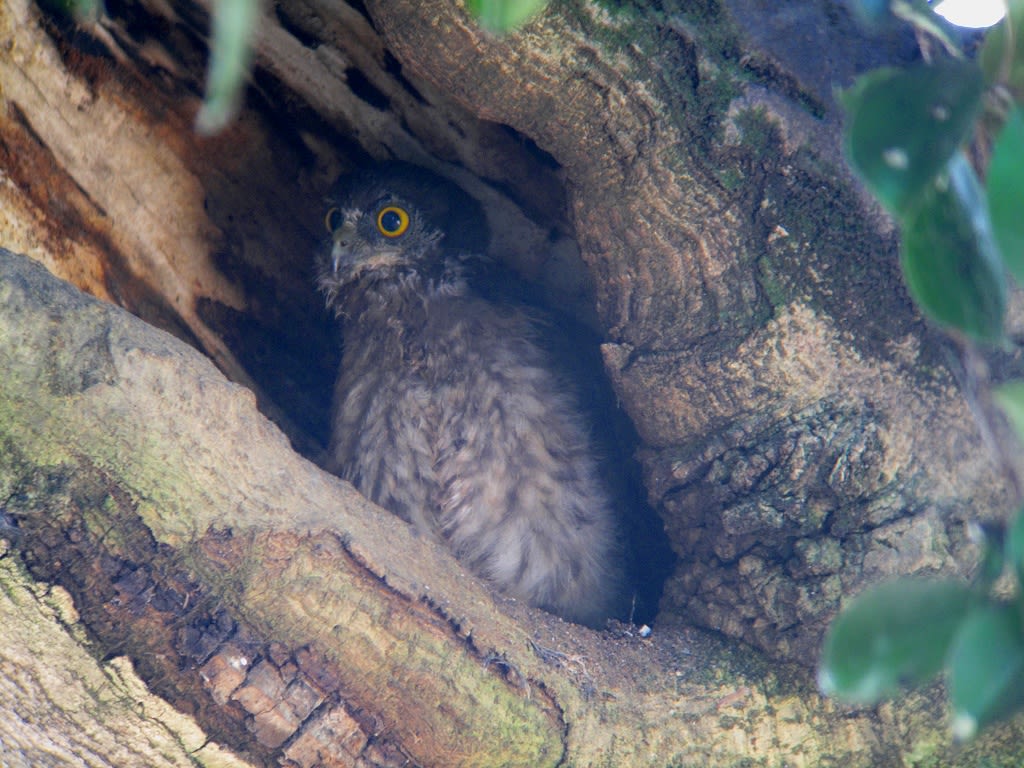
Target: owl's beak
343 245
352 256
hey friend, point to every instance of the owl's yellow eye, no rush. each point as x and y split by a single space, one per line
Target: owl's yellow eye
392 221
333 219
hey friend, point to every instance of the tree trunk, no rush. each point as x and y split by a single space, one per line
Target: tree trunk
669 175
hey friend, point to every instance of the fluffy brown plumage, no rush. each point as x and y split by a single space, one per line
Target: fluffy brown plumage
446 409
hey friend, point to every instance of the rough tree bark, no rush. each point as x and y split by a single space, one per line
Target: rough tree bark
670 174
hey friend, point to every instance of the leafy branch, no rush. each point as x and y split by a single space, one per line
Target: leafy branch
906 137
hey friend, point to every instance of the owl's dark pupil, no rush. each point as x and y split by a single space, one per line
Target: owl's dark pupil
390 221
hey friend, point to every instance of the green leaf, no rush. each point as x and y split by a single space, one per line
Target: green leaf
1002 55
894 634
950 260
872 12
986 669
1004 187
82 11
1009 396
924 19
904 125
992 538
1015 547
504 15
234 23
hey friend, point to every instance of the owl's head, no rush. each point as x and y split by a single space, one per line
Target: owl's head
394 219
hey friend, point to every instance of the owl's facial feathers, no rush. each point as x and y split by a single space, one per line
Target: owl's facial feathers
395 220
387 235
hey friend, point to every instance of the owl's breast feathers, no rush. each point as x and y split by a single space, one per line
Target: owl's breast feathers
448 413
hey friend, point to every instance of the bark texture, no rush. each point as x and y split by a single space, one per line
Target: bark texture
795 426
670 175
300 626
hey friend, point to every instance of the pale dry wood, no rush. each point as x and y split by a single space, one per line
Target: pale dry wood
127 171
61 707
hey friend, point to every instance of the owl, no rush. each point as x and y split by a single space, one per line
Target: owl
448 410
